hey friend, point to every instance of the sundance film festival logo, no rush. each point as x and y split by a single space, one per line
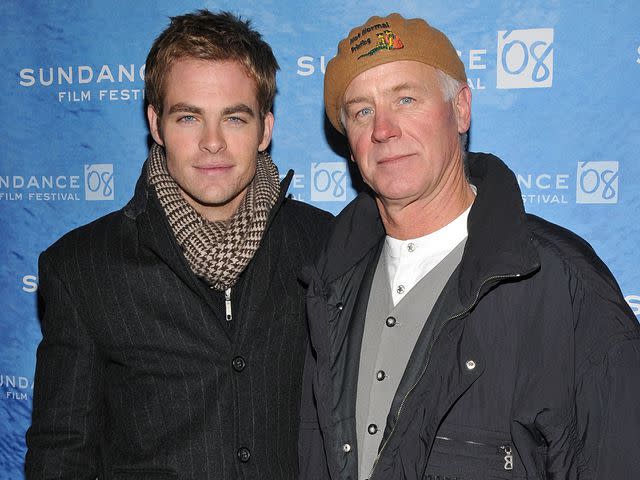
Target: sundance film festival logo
98 181
474 59
16 387
98 185
525 58
87 83
328 182
544 188
597 182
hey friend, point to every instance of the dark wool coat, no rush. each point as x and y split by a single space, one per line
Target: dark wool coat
139 376
533 370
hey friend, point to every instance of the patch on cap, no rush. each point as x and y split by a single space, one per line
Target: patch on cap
387 40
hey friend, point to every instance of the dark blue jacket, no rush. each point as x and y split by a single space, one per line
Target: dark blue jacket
533 370
139 376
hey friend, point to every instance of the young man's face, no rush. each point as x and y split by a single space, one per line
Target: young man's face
211 132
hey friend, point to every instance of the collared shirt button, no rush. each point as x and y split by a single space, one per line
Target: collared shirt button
372 429
470 364
411 247
238 364
244 454
346 448
390 321
339 305
400 289
380 375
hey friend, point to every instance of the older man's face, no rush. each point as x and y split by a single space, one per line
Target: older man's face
403 134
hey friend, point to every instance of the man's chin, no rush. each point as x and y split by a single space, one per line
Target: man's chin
219 206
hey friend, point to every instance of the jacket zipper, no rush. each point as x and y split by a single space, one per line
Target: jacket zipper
505 451
464 312
228 315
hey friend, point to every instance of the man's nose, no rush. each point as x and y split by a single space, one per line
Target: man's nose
212 139
385 127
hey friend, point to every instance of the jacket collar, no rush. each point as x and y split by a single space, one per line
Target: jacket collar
356 230
155 234
499 243
498 246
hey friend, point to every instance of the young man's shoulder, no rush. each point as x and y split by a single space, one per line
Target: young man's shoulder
303 217
302 226
94 238
304 210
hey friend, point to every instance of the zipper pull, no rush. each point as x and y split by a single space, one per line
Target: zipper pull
508 457
227 305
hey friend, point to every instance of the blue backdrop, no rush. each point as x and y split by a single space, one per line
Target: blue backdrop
555 95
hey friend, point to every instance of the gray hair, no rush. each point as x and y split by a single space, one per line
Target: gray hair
450 88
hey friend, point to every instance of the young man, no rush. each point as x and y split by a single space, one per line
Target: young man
454 336
174 329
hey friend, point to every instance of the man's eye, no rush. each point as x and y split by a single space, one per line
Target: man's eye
187 119
236 120
406 100
364 112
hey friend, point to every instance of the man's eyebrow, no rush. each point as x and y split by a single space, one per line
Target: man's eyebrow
239 108
356 100
184 108
230 110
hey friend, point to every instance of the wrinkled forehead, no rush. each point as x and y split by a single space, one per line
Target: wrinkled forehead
390 78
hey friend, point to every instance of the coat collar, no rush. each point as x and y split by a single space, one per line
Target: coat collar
498 245
155 234
355 231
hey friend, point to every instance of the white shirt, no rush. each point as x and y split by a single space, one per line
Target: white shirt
410 260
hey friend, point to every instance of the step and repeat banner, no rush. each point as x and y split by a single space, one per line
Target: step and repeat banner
555 94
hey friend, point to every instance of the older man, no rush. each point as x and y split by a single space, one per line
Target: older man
454 336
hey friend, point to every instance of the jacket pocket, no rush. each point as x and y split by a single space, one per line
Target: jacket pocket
143 474
466 453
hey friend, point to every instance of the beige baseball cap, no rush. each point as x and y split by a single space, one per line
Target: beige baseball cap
382 40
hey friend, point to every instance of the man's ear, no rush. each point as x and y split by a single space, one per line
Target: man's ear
154 127
462 106
267 131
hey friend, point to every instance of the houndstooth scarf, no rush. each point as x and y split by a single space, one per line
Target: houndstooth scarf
218 252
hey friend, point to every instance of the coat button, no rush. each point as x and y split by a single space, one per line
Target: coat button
346 448
372 429
380 375
390 321
238 364
244 454
339 305
470 364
